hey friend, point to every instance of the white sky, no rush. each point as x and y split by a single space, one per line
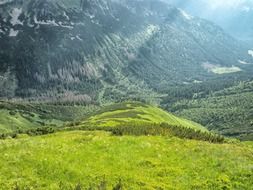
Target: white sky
229 4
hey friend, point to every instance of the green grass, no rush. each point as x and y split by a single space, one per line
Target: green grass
225 70
134 112
141 151
65 159
21 116
18 121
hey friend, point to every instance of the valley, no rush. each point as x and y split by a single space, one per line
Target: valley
122 94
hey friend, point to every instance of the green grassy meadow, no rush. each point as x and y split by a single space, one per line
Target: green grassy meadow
65 160
145 148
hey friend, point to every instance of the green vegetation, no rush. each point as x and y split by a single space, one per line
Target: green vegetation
225 70
67 160
67 58
16 116
127 145
129 118
133 113
228 111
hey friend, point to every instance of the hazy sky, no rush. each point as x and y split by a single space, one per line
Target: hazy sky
214 5
235 16
229 4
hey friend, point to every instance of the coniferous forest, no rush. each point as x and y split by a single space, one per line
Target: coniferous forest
126 94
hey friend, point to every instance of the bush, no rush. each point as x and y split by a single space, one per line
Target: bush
30 132
162 129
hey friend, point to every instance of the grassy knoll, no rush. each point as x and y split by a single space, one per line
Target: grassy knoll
134 112
79 160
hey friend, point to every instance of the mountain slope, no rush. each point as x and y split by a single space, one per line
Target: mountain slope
234 16
95 50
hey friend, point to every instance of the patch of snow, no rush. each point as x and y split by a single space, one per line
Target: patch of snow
79 24
13 33
197 81
65 26
243 62
52 23
5 1
90 15
15 13
250 52
65 15
186 15
1 31
72 38
47 22
77 37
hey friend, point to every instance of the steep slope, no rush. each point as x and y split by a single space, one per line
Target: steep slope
98 160
134 113
94 50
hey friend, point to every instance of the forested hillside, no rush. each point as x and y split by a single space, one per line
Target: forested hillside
228 111
105 50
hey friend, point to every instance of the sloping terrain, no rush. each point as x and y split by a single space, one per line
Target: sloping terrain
129 145
132 113
98 160
228 111
16 116
106 50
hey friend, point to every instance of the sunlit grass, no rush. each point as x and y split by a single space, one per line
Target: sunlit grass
69 158
134 112
226 70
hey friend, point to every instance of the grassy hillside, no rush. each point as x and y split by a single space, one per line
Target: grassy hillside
79 160
133 113
138 146
20 116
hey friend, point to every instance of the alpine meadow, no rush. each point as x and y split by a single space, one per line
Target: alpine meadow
126 95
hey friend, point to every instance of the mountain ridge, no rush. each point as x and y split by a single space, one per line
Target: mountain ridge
83 50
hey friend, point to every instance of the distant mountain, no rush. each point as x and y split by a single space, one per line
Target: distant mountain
234 16
99 50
